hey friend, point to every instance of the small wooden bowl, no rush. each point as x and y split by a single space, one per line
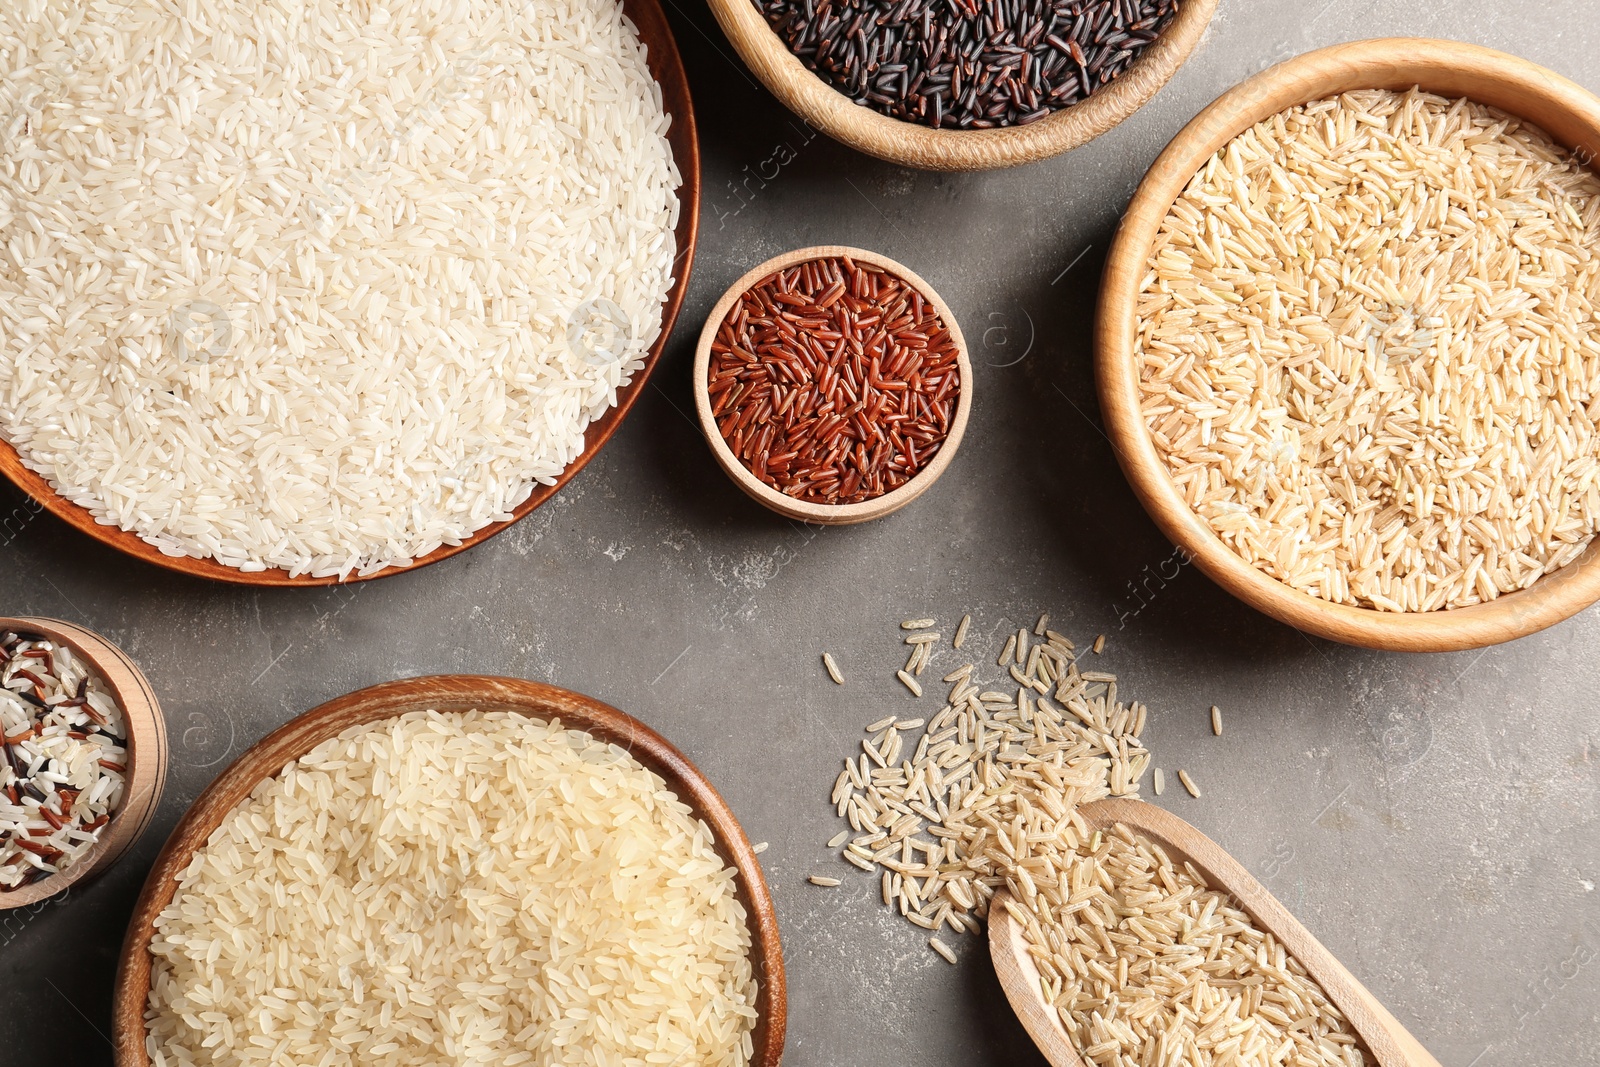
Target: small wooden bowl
147 755
788 506
913 145
451 693
1566 111
667 68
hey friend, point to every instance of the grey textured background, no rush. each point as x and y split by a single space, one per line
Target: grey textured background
1431 818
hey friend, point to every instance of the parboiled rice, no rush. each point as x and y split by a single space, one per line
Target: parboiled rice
477 888
1369 350
321 286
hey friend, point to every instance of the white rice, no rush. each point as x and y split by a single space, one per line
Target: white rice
316 286
476 888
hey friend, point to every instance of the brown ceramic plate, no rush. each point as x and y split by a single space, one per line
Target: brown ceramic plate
667 67
453 693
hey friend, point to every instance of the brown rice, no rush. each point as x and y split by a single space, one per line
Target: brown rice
1146 964
1369 350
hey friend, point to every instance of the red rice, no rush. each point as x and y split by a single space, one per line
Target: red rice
834 381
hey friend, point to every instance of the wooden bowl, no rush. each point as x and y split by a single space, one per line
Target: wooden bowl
147 755
788 506
913 145
1565 111
451 693
667 68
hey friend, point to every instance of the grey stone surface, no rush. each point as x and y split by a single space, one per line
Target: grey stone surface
1431 818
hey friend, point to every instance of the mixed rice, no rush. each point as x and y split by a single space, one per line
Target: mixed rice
66 758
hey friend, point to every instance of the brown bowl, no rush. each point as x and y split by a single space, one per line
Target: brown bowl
1564 110
147 755
452 693
665 64
914 145
782 503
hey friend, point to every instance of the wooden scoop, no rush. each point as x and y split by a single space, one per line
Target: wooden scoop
1385 1039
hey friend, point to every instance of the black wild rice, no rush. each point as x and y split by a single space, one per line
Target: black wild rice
967 64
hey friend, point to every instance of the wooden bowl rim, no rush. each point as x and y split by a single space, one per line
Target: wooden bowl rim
1393 63
914 145
666 66
782 503
147 759
375 703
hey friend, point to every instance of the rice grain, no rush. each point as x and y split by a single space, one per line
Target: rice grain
421 890
1369 350
1147 957
319 288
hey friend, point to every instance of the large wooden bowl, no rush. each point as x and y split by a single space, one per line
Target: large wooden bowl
1567 112
452 693
147 755
914 145
667 68
806 511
